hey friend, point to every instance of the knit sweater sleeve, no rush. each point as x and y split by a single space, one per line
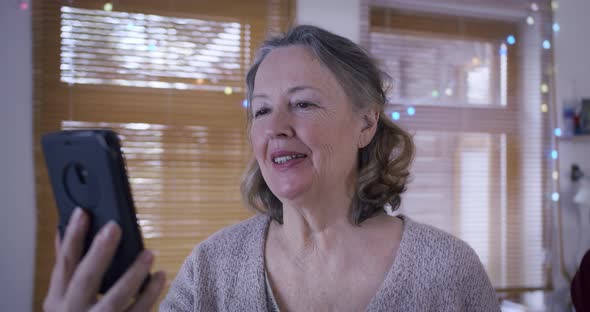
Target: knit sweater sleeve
478 294
436 271
223 273
184 294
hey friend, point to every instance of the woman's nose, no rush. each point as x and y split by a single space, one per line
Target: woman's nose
280 125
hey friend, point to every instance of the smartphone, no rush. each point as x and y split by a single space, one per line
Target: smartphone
87 170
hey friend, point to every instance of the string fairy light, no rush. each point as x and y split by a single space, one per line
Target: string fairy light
510 40
530 20
552 29
535 15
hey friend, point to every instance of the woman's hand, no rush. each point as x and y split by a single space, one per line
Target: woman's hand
75 282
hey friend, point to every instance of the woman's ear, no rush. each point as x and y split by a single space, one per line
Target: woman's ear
370 120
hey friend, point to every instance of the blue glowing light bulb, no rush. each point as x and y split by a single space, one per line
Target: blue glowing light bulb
511 40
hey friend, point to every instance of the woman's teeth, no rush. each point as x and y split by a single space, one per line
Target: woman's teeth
284 159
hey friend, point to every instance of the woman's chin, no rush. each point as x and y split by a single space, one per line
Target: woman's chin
290 192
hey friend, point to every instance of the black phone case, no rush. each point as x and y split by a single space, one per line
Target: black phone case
87 170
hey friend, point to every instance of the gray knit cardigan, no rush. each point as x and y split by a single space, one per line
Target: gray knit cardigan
432 271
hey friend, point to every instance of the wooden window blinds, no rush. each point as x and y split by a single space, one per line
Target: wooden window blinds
168 76
472 101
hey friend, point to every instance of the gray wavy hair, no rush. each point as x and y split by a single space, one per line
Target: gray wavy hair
383 165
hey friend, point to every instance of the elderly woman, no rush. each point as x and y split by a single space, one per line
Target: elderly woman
327 162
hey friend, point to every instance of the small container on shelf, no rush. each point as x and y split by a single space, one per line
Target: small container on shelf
569 121
583 125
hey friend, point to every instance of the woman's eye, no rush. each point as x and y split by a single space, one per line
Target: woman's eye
303 104
260 112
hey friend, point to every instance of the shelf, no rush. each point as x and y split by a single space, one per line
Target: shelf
583 138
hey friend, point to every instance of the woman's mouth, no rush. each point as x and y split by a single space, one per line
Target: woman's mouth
286 158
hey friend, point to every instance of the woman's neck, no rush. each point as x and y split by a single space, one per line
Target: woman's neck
315 221
324 226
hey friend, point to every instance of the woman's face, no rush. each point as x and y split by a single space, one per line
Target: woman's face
304 132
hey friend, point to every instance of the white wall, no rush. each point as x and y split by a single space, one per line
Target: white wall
17 210
572 49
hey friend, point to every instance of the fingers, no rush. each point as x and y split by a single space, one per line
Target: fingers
75 284
128 285
86 281
68 253
151 293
